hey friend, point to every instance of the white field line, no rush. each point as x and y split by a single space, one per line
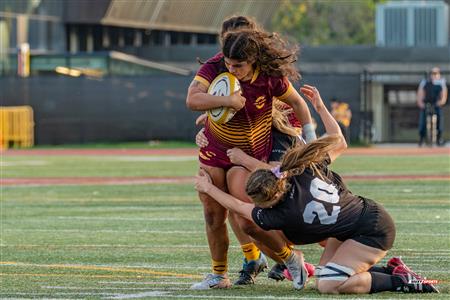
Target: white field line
110 288
23 163
146 282
109 231
111 267
193 296
111 246
140 295
34 295
201 219
150 158
129 219
176 231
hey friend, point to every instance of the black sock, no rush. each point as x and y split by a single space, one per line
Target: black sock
397 283
380 269
381 282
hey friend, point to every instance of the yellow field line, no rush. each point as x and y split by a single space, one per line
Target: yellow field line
71 275
99 268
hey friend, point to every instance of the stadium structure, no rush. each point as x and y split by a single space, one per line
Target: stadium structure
118 70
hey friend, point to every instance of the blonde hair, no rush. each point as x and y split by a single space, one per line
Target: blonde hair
280 119
266 189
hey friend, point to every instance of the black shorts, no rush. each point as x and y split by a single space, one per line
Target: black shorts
375 227
280 143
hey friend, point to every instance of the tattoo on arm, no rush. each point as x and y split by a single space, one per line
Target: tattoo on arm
194 83
197 84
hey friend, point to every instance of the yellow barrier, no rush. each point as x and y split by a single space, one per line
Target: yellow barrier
16 127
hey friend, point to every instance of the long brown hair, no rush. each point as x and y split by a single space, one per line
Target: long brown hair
266 189
238 22
270 52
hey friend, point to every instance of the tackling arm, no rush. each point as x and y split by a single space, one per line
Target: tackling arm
204 185
302 113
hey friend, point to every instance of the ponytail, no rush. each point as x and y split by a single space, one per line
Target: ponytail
266 189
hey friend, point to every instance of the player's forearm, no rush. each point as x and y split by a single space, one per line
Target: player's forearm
301 111
226 200
252 164
199 101
331 126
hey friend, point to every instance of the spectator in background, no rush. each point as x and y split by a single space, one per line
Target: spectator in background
434 92
343 116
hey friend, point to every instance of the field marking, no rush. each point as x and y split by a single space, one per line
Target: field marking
129 219
68 181
399 233
201 219
109 231
33 163
150 158
140 295
146 282
73 275
111 288
100 268
168 295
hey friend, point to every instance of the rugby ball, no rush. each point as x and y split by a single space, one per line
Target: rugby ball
223 85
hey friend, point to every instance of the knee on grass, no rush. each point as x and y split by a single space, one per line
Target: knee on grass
331 277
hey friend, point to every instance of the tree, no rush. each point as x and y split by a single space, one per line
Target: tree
326 22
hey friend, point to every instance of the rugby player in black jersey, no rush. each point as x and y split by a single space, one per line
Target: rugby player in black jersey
308 203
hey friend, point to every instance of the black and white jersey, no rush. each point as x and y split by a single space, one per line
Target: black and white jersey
313 209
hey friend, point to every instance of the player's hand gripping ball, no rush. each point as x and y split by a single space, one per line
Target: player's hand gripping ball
224 84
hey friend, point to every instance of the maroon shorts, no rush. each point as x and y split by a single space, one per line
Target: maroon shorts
215 155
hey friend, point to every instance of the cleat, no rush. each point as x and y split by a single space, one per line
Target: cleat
395 262
295 266
277 272
412 282
309 268
251 269
212 281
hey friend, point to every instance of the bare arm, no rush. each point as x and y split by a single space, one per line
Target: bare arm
239 157
299 106
303 114
420 97
444 95
203 185
331 126
198 98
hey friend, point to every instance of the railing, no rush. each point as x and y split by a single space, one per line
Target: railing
103 63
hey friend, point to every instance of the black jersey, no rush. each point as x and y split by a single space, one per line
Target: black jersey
313 209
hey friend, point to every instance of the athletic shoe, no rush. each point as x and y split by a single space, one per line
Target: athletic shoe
251 269
294 264
412 282
395 262
309 268
277 272
212 281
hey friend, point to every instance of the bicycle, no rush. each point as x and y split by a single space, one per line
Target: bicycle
431 138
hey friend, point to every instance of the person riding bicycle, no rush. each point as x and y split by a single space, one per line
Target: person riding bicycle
431 92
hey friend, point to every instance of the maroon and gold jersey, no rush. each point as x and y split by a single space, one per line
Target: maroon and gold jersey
250 128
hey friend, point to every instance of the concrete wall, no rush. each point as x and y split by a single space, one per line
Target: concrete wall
81 110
